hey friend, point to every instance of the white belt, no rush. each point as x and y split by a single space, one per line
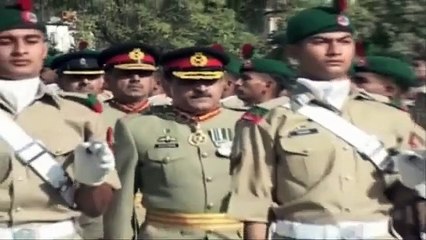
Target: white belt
50 231
341 230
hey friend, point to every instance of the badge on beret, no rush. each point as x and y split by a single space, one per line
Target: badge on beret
198 60
247 64
362 62
83 61
136 55
342 20
29 17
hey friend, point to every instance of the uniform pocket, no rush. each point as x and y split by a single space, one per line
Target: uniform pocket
163 167
305 160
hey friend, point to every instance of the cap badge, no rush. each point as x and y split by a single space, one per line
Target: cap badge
83 61
247 64
29 17
198 60
342 20
136 55
361 62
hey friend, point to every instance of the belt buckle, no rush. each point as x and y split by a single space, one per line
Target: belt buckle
24 233
352 232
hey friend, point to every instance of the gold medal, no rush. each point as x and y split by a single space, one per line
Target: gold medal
198 137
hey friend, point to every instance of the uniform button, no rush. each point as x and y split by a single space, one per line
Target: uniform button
347 209
209 179
57 151
18 209
204 154
166 159
305 151
210 205
20 178
346 148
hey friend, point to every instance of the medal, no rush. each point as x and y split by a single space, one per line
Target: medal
198 137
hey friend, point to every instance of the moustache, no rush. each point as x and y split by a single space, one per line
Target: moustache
201 96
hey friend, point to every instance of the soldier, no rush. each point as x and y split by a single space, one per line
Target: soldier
54 162
262 80
181 154
79 72
386 76
311 168
229 98
159 95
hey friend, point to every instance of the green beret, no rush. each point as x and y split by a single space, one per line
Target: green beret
268 66
317 20
398 70
17 17
234 65
82 62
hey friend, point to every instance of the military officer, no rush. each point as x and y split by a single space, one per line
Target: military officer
386 76
79 72
54 162
129 70
184 161
304 167
129 75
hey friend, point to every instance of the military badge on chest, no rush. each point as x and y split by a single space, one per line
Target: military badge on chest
222 140
166 141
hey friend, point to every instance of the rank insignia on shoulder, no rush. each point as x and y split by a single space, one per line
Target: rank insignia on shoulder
255 114
302 132
94 104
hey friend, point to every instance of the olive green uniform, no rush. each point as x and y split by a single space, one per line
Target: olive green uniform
185 187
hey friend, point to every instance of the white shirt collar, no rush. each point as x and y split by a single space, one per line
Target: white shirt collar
19 93
333 92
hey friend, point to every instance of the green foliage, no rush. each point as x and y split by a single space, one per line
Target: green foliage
388 24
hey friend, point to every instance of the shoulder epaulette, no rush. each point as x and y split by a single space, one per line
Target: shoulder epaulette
255 114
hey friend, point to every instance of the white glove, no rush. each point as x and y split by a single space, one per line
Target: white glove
92 163
412 168
225 149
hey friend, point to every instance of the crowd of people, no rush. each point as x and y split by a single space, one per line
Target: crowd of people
197 143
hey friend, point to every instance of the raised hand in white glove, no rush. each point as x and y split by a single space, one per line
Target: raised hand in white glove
92 162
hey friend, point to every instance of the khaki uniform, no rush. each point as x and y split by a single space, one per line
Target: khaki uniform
60 125
185 187
294 169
